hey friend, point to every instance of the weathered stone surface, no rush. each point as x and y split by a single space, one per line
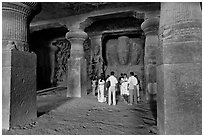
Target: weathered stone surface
136 48
6 86
181 53
123 49
77 77
16 17
96 53
150 27
77 70
19 66
74 77
179 98
179 71
19 88
62 56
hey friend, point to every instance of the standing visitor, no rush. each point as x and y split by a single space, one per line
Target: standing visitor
124 89
138 88
120 80
101 84
132 83
112 89
94 85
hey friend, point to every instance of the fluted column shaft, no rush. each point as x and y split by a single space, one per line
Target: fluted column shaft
18 64
179 71
150 27
16 18
77 73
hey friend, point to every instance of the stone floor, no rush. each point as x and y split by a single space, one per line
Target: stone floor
86 116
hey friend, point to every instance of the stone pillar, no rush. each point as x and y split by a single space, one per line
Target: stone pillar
18 65
179 71
77 73
52 53
150 28
96 51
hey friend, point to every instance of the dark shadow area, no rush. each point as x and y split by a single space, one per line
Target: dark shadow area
153 105
45 106
40 42
50 101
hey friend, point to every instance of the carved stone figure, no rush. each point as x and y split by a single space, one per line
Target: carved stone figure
111 54
124 55
123 51
136 51
129 51
62 58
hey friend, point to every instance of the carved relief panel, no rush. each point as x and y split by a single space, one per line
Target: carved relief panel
136 55
111 55
124 55
62 56
123 50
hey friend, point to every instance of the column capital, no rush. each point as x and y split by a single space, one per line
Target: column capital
150 25
76 38
76 35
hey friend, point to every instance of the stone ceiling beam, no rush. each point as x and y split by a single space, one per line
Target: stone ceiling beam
84 19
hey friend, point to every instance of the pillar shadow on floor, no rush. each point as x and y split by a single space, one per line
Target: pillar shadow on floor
47 103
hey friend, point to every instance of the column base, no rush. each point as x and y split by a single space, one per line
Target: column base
179 100
18 88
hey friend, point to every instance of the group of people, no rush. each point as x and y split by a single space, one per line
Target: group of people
127 87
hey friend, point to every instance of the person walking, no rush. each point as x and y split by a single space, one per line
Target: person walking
132 83
112 89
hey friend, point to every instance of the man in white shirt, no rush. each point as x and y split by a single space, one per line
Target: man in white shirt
132 83
112 88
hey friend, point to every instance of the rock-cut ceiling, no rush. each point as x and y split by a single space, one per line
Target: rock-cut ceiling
54 10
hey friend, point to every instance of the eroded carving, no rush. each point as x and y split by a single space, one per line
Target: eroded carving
62 59
123 50
136 51
111 54
129 51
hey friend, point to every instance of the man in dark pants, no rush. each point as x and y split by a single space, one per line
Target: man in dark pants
132 83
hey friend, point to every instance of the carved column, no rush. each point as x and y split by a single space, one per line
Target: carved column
179 71
150 27
52 53
77 75
96 51
18 65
